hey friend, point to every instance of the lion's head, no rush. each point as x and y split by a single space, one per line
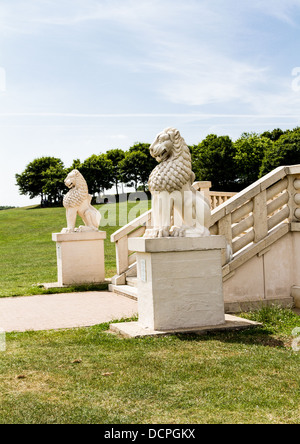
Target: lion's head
78 189
175 164
167 143
72 179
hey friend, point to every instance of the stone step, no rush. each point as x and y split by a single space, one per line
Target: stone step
131 281
124 290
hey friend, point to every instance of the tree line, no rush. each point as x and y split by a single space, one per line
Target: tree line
5 207
44 177
229 165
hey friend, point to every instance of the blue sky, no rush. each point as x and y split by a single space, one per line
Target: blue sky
79 77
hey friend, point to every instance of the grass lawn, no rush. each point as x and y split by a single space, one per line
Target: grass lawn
28 255
89 376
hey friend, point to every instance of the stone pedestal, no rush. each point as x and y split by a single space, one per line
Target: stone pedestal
179 282
80 257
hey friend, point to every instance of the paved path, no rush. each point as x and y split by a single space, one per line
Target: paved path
66 310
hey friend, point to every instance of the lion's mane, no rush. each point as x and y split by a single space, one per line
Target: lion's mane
176 171
79 193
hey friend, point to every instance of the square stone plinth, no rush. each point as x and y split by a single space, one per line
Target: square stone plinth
179 282
80 257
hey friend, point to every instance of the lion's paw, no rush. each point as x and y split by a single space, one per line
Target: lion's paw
67 230
177 231
153 233
85 228
164 232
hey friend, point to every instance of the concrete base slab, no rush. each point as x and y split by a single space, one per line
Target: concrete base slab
134 330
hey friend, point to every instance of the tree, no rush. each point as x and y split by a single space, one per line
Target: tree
98 172
134 169
145 149
33 180
53 183
285 151
214 160
273 135
76 164
137 165
116 156
250 152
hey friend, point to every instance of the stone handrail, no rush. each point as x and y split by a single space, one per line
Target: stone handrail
258 216
137 228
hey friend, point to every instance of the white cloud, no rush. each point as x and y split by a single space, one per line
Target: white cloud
192 48
283 10
200 76
214 79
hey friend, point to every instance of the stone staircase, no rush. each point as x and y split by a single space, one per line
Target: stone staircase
129 289
262 227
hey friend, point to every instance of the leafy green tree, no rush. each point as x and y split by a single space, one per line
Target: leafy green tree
98 172
134 169
145 149
116 156
33 180
250 152
214 160
53 180
137 165
285 151
273 135
76 164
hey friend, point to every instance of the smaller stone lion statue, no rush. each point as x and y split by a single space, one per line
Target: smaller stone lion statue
78 201
178 210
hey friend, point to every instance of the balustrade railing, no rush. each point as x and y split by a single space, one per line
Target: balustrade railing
253 215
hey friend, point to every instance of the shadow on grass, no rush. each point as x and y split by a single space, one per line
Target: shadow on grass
73 289
38 207
33 207
277 324
262 336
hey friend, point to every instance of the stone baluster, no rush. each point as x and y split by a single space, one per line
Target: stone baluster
296 200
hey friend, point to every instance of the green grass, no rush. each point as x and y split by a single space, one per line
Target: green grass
89 376
28 255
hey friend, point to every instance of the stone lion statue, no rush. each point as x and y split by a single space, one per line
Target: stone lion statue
177 208
78 201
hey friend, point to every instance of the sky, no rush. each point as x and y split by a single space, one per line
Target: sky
80 77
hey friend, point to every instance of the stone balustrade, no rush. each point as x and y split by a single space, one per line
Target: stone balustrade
252 215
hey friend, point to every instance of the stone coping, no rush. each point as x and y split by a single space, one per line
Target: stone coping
166 244
79 236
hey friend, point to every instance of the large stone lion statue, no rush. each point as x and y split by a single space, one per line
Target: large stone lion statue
78 201
177 208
